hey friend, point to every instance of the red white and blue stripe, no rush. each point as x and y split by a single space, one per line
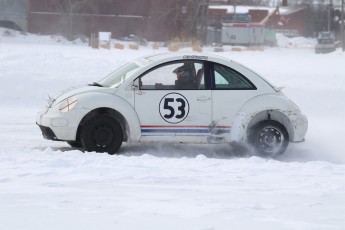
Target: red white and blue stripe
183 129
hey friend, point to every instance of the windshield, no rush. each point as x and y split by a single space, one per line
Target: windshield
119 76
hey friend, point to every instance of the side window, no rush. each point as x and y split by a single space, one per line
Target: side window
227 78
182 75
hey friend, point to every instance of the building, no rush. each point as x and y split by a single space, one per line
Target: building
14 14
286 20
156 20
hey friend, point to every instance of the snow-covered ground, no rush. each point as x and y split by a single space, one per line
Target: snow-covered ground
48 185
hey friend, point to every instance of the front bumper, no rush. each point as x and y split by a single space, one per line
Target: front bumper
47 133
56 125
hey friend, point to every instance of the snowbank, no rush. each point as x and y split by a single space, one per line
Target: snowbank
295 42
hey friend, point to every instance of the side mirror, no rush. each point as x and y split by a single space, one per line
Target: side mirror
135 85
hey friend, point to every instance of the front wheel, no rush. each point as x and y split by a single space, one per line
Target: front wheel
74 144
102 133
269 138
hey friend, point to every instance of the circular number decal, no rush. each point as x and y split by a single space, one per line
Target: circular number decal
174 108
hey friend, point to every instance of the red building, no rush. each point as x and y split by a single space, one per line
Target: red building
155 20
290 22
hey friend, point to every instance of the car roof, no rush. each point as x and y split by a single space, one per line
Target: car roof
185 56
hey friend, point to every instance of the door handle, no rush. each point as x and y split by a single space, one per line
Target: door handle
203 98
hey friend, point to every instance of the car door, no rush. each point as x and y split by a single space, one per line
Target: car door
230 91
170 110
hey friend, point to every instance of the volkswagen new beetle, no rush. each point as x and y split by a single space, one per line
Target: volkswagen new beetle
175 97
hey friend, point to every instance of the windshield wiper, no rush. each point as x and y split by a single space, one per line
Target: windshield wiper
95 84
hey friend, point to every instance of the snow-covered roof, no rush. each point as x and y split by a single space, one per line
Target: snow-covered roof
245 9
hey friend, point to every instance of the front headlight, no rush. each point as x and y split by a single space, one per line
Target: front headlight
68 104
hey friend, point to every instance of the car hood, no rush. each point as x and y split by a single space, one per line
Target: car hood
62 95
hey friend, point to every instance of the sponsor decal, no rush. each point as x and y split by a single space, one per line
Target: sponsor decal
195 57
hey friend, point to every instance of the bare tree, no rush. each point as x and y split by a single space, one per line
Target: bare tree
69 8
250 2
199 19
317 15
170 14
188 16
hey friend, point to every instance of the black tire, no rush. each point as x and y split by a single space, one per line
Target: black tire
102 133
74 144
269 138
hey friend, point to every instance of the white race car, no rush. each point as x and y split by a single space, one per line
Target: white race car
175 97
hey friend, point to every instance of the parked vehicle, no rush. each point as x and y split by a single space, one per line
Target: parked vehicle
243 34
175 97
325 42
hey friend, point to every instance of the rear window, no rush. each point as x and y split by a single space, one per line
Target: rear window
227 78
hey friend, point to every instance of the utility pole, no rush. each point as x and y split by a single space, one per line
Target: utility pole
342 26
200 18
330 7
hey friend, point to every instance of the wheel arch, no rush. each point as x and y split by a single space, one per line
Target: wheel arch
264 107
105 111
274 115
115 106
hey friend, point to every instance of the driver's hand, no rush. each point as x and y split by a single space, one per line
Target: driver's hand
159 86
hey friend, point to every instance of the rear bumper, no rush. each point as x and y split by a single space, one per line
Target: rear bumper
300 125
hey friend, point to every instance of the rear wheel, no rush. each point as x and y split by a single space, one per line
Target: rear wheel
102 133
269 138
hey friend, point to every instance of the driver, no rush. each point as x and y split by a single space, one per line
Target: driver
184 78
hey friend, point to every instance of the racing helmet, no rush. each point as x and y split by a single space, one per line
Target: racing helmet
183 73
